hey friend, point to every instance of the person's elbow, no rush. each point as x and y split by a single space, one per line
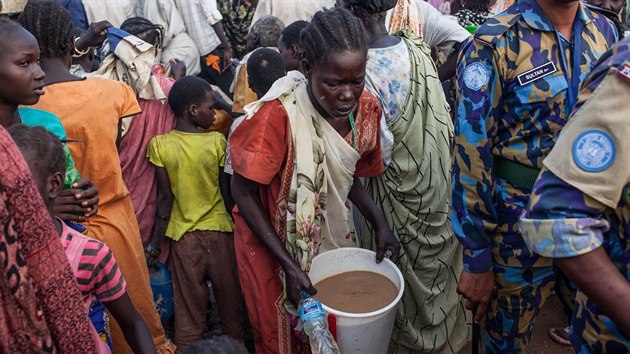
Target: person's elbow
132 322
242 188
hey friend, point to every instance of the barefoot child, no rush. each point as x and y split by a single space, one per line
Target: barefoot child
192 213
92 261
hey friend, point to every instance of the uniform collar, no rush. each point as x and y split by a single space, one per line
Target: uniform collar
533 14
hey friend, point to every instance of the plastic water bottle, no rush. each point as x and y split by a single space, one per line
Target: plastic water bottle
316 326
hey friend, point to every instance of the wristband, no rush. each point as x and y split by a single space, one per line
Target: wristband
152 251
78 53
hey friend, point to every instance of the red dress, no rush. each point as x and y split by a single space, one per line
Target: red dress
41 310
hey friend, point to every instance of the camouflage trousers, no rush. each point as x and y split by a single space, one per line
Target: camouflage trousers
519 296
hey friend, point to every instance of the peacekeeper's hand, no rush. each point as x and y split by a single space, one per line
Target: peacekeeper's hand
94 36
386 244
77 203
477 289
297 281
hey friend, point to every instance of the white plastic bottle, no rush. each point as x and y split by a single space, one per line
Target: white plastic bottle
316 327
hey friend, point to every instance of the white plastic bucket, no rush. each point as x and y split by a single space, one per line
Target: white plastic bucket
359 332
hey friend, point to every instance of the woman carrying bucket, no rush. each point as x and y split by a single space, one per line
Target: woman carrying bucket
297 159
413 191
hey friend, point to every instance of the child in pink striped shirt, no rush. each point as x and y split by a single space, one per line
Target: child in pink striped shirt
93 263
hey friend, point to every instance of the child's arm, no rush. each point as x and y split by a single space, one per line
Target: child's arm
164 205
226 190
132 325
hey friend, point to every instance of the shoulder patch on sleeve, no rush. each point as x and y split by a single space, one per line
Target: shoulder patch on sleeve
593 151
476 76
624 72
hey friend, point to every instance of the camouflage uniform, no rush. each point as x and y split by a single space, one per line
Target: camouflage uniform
582 198
517 82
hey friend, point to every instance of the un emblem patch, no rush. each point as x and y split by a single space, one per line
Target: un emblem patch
593 151
476 76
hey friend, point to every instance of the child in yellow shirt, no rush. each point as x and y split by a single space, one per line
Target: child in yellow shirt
192 213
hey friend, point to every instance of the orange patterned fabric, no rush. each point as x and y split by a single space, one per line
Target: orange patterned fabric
405 15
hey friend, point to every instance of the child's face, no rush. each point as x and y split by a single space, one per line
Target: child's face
205 112
20 73
336 82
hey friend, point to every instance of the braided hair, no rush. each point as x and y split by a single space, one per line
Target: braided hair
42 149
144 29
51 25
334 30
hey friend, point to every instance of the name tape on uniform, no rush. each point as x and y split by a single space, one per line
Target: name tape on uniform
537 73
624 72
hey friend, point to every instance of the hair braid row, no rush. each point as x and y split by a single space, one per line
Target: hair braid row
144 29
51 25
332 30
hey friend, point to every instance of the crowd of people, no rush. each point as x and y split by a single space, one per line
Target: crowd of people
478 144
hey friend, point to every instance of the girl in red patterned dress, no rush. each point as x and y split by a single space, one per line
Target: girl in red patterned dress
93 263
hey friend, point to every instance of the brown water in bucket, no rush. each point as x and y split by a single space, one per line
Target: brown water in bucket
356 292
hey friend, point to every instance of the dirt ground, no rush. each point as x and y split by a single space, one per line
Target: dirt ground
550 316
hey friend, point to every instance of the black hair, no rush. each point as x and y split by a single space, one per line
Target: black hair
144 29
478 6
187 91
51 25
369 12
268 30
332 30
43 149
7 28
291 34
264 67
222 344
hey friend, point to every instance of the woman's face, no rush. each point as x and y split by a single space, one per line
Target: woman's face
20 70
336 82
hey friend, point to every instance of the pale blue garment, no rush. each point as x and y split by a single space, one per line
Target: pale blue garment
388 72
